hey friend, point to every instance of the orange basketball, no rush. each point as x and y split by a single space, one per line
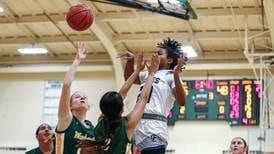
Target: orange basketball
80 17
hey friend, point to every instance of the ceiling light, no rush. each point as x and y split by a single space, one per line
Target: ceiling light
189 51
33 50
1 9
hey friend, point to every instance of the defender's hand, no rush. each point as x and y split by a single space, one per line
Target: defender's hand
127 55
81 52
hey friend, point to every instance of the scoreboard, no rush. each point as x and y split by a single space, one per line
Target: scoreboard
236 101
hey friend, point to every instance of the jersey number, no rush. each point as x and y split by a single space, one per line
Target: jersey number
150 93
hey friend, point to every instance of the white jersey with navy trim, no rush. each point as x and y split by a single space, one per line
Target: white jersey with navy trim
161 101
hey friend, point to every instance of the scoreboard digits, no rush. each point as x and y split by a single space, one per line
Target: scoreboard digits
236 101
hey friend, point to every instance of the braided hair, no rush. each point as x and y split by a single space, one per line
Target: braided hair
173 49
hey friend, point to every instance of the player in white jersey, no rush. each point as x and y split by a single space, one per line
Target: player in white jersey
151 134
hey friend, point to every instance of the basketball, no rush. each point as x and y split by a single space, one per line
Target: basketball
79 17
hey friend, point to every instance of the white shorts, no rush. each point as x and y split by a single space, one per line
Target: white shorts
152 141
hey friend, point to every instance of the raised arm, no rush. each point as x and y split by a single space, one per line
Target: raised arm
140 66
64 112
136 114
129 68
178 90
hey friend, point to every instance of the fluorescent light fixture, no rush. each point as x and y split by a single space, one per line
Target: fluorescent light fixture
189 51
33 50
1 9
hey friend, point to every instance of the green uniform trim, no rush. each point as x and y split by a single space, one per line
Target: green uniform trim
36 151
67 140
119 140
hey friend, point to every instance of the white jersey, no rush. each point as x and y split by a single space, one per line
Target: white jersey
160 102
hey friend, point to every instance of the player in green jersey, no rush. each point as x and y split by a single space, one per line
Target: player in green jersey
45 137
72 124
114 132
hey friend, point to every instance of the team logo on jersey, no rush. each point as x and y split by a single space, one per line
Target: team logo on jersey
79 136
156 80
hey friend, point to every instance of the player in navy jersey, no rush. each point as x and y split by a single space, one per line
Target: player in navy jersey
151 134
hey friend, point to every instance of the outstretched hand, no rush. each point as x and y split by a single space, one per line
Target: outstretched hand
141 63
127 55
81 51
155 61
180 64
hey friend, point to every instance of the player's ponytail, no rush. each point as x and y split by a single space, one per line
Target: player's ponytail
111 106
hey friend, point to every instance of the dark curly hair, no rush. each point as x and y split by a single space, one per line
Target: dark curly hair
173 49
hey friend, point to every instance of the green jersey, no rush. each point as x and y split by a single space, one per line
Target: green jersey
35 151
119 140
66 140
